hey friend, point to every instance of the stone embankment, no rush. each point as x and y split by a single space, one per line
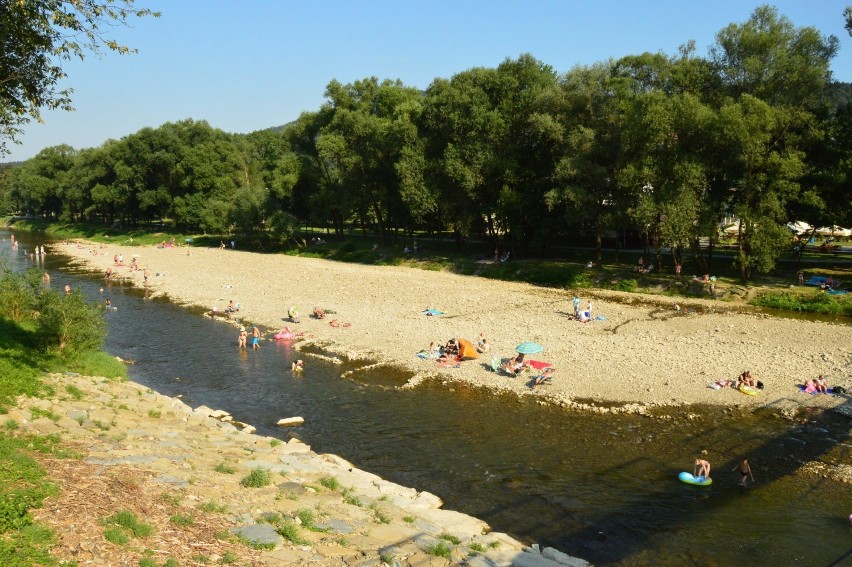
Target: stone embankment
215 493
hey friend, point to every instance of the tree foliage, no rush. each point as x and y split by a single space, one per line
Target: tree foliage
653 147
38 36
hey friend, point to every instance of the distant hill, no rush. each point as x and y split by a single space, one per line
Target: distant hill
282 127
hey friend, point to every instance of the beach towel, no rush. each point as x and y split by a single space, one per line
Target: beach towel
600 318
431 312
538 364
816 280
802 389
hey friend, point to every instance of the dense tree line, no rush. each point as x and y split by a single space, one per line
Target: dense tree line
518 154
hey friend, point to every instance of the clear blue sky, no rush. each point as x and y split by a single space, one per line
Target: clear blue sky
245 65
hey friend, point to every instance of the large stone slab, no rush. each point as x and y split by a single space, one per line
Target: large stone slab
261 534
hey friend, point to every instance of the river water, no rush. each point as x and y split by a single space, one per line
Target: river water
603 488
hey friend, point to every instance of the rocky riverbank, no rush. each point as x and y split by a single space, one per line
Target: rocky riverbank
215 493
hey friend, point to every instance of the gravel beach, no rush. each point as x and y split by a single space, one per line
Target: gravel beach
641 351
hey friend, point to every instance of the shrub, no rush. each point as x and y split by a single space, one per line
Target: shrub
18 292
290 532
439 549
329 482
626 285
257 478
69 325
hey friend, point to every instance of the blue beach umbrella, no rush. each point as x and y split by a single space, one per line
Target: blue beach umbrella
529 348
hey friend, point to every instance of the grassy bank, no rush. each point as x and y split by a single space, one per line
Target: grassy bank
23 482
39 333
562 268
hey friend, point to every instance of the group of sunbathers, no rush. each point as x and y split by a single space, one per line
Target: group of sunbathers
744 379
816 385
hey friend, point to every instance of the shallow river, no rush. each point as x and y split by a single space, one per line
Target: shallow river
603 488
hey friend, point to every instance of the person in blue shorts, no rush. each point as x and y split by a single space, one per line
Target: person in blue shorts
255 338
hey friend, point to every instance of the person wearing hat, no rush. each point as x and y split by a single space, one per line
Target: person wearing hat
241 341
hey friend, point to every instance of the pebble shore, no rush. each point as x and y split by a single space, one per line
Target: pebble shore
161 459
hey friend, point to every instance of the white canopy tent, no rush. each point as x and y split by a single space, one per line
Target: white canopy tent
799 227
834 231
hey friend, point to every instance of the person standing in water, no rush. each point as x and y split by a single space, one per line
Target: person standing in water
702 468
241 339
745 472
255 337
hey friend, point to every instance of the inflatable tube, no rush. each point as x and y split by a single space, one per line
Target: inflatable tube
748 390
284 336
688 478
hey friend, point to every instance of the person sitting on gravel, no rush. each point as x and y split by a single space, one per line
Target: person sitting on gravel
319 313
746 379
293 314
515 365
544 377
821 384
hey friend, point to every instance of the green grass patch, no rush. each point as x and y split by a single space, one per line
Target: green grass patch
156 414
23 482
211 506
128 524
379 515
170 499
116 535
290 531
182 520
476 546
329 482
74 391
27 547
439 549
450 538
96 363
812 302
37 412
257 478
225 468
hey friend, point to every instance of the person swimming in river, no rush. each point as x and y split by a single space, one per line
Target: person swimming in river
297 366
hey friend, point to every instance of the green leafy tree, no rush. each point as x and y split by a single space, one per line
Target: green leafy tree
68 325
38 36
364 143
769 58
847 13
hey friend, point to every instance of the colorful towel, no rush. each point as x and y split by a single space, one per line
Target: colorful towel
829 391
431 312
538 364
